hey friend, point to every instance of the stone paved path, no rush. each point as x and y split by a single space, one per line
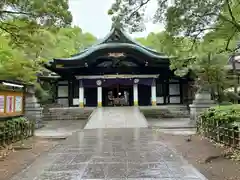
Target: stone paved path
124 153
116 117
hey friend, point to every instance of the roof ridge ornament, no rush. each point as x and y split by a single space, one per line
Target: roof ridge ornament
116 54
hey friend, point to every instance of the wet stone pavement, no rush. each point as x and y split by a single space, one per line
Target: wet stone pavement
123 153
116 117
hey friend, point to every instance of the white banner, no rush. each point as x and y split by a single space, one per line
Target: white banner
18 104
1 103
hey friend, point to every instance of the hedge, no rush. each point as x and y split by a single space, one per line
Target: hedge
15 129
220 124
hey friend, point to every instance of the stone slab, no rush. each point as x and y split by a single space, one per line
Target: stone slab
59 128
171 123
116 117
124 153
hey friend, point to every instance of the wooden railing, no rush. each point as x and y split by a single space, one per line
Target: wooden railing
227 134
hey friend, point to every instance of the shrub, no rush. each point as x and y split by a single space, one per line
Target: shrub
217 123
222 114
15 129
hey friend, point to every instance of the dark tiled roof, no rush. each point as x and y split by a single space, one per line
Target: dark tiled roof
116 38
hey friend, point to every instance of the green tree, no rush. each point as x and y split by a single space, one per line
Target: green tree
200 34
203 59
185 17
23 63
19 19
13 64
70 41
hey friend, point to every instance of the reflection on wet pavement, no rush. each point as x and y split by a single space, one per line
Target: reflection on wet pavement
123 153
60 128
116 117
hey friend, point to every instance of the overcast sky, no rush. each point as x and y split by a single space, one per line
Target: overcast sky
91 16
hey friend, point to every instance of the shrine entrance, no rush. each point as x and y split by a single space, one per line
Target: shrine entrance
118 95
117 71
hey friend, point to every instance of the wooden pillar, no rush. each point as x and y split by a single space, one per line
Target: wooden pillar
99 96
99 93
153 93
81 94
135 94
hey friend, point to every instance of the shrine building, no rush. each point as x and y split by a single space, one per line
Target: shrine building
118 71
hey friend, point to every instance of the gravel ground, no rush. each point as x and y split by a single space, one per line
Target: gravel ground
198 150
18 160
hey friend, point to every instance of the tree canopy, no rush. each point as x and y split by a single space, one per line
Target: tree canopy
201 35
19 19
32 32
191 18
15 61
203 59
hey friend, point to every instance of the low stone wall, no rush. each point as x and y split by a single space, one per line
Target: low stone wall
69 113
165 112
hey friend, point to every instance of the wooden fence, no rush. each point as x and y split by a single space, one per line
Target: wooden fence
219 132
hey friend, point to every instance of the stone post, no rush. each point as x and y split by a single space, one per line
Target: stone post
33 110
201 103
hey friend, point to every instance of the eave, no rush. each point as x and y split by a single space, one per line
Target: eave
113 46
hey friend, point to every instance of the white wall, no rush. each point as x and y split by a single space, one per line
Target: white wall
174 89
174 100
63 102
62 91
159 100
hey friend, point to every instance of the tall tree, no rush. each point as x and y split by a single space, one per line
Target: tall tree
19 19
191 18
203 59
23 63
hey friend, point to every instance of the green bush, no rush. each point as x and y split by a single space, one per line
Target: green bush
224 103
217 123
222 114
15 129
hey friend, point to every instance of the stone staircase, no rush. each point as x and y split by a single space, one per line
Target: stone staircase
166 111
67 113
76 113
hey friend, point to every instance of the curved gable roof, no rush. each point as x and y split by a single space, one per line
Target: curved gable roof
116 38
133 41
114 45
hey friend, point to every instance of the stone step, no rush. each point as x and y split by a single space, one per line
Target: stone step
70 113
165 111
